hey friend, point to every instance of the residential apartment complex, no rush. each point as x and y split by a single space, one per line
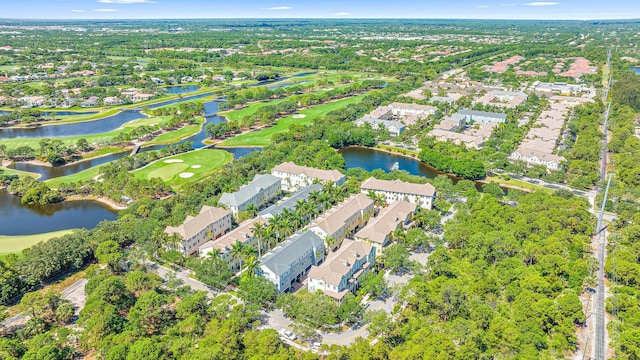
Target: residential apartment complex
258 192
291 260
341 271
394 128
344 218
295 177
378 231
223 245
422 195
210 223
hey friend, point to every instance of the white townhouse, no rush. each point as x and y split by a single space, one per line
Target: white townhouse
341 271
291 260
394 190
295 177
260 191
535 157
343 219
210 223
223 245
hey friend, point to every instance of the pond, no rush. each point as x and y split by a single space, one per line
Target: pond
73 129
635 69
50 172
19 219
239 152
180 89
372 159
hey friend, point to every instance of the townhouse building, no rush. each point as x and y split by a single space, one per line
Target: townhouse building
210 223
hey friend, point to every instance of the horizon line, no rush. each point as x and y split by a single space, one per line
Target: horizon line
317 18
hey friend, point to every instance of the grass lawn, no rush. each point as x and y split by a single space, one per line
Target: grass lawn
263 137
6 171
8 67
177 135
15 244
82 175
195 164
519 183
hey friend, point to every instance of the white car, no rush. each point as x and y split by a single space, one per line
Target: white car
287 334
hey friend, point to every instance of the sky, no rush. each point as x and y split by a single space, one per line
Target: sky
429 9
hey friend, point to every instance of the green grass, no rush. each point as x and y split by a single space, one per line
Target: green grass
238 115
8 67
6 171
263 137
209 161
518 183
82 175
177 135
102 151
15 244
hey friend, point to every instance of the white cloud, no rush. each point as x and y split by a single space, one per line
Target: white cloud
126 1
280 8
105 10
77 11
341 14
482 6
542 3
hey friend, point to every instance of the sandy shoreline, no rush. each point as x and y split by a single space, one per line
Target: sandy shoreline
110 203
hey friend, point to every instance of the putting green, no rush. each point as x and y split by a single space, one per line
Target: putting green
185 168
168 171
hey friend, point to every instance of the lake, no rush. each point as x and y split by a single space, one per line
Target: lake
73 129
50 172
239 152
19 219
371 159
635 69
180 89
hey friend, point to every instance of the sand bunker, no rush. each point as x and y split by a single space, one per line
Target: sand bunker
299 116
173 161
196 166
185 175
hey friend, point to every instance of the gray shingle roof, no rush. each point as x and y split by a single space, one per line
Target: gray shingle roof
290 202
287 253
482 113
245 193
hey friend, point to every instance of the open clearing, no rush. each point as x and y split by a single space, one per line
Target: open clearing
173 170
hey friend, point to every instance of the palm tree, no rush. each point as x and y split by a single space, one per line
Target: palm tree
378 199
330 240
214 253
326 201
314 196
269 237
252 210
238 252
258 231
251 265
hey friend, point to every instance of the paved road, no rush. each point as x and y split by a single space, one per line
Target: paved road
182 275
74 293
600 330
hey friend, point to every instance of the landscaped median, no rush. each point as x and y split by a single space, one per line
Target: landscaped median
185 168
303 117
